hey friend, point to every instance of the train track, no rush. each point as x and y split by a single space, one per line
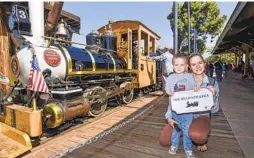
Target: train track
50 146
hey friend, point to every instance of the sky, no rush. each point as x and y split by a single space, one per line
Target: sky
93 15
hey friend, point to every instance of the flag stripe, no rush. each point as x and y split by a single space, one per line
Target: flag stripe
37 81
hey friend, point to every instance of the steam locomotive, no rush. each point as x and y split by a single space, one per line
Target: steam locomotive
80 80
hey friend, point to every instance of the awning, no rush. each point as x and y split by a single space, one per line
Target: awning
239 29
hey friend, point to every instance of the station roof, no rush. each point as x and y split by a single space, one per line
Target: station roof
239 29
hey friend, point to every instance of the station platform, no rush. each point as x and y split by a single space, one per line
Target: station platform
232 132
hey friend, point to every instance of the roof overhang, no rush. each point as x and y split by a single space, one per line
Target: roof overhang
238 30
132 22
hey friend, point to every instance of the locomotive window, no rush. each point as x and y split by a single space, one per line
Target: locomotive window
142 47
144 43
124 37
152 44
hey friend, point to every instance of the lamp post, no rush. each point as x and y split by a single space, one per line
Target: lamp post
189 27
175 28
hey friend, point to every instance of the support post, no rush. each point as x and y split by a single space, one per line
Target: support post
189 27
247 59
175 28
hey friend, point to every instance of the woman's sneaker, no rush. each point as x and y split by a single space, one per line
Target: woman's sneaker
190 154
172 150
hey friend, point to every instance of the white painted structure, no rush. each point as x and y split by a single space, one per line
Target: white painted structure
36 14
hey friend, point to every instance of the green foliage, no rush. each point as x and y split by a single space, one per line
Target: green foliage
205 17
228 58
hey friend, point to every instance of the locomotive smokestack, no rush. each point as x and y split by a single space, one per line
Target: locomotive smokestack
36 14
53 16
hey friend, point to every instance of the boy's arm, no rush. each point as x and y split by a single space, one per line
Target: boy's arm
169 93
168 85
168 114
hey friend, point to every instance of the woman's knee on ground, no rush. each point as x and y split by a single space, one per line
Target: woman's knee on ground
200 129
165 137
198 137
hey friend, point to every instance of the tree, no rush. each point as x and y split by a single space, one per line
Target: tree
227 57
205 18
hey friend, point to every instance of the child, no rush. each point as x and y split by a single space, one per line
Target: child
180 81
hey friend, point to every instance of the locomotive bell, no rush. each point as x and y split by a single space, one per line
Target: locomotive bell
61 29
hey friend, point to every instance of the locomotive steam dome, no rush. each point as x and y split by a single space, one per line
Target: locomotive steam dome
108 40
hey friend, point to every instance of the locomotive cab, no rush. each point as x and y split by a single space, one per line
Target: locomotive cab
135 42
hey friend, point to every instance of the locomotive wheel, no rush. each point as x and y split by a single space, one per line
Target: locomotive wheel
98 100
128 94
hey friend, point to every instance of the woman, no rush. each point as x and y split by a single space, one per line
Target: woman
200 127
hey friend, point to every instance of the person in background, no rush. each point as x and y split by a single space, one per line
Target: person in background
210 69
218 70
157 53
252 66
241 67
167 66
206 69
166 57
225 65
230 70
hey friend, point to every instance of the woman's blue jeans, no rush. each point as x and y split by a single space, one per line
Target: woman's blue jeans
184 122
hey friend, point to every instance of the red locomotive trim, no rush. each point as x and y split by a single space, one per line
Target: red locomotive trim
52 58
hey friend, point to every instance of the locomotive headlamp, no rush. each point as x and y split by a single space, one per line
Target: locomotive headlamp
15 69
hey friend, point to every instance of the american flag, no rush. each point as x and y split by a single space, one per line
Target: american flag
37 82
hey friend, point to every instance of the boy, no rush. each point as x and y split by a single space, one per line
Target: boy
180 81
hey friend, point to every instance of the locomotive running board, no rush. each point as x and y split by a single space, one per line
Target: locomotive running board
13 142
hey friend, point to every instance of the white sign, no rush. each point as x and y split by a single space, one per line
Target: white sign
190 101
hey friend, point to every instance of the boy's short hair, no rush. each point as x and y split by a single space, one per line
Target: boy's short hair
180 55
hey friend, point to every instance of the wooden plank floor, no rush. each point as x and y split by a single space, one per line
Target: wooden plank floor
139 139
51 147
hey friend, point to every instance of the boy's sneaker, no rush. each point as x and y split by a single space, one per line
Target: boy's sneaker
172 150
190 154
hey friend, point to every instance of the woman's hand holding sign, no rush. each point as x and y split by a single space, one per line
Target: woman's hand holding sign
197 88
212 89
